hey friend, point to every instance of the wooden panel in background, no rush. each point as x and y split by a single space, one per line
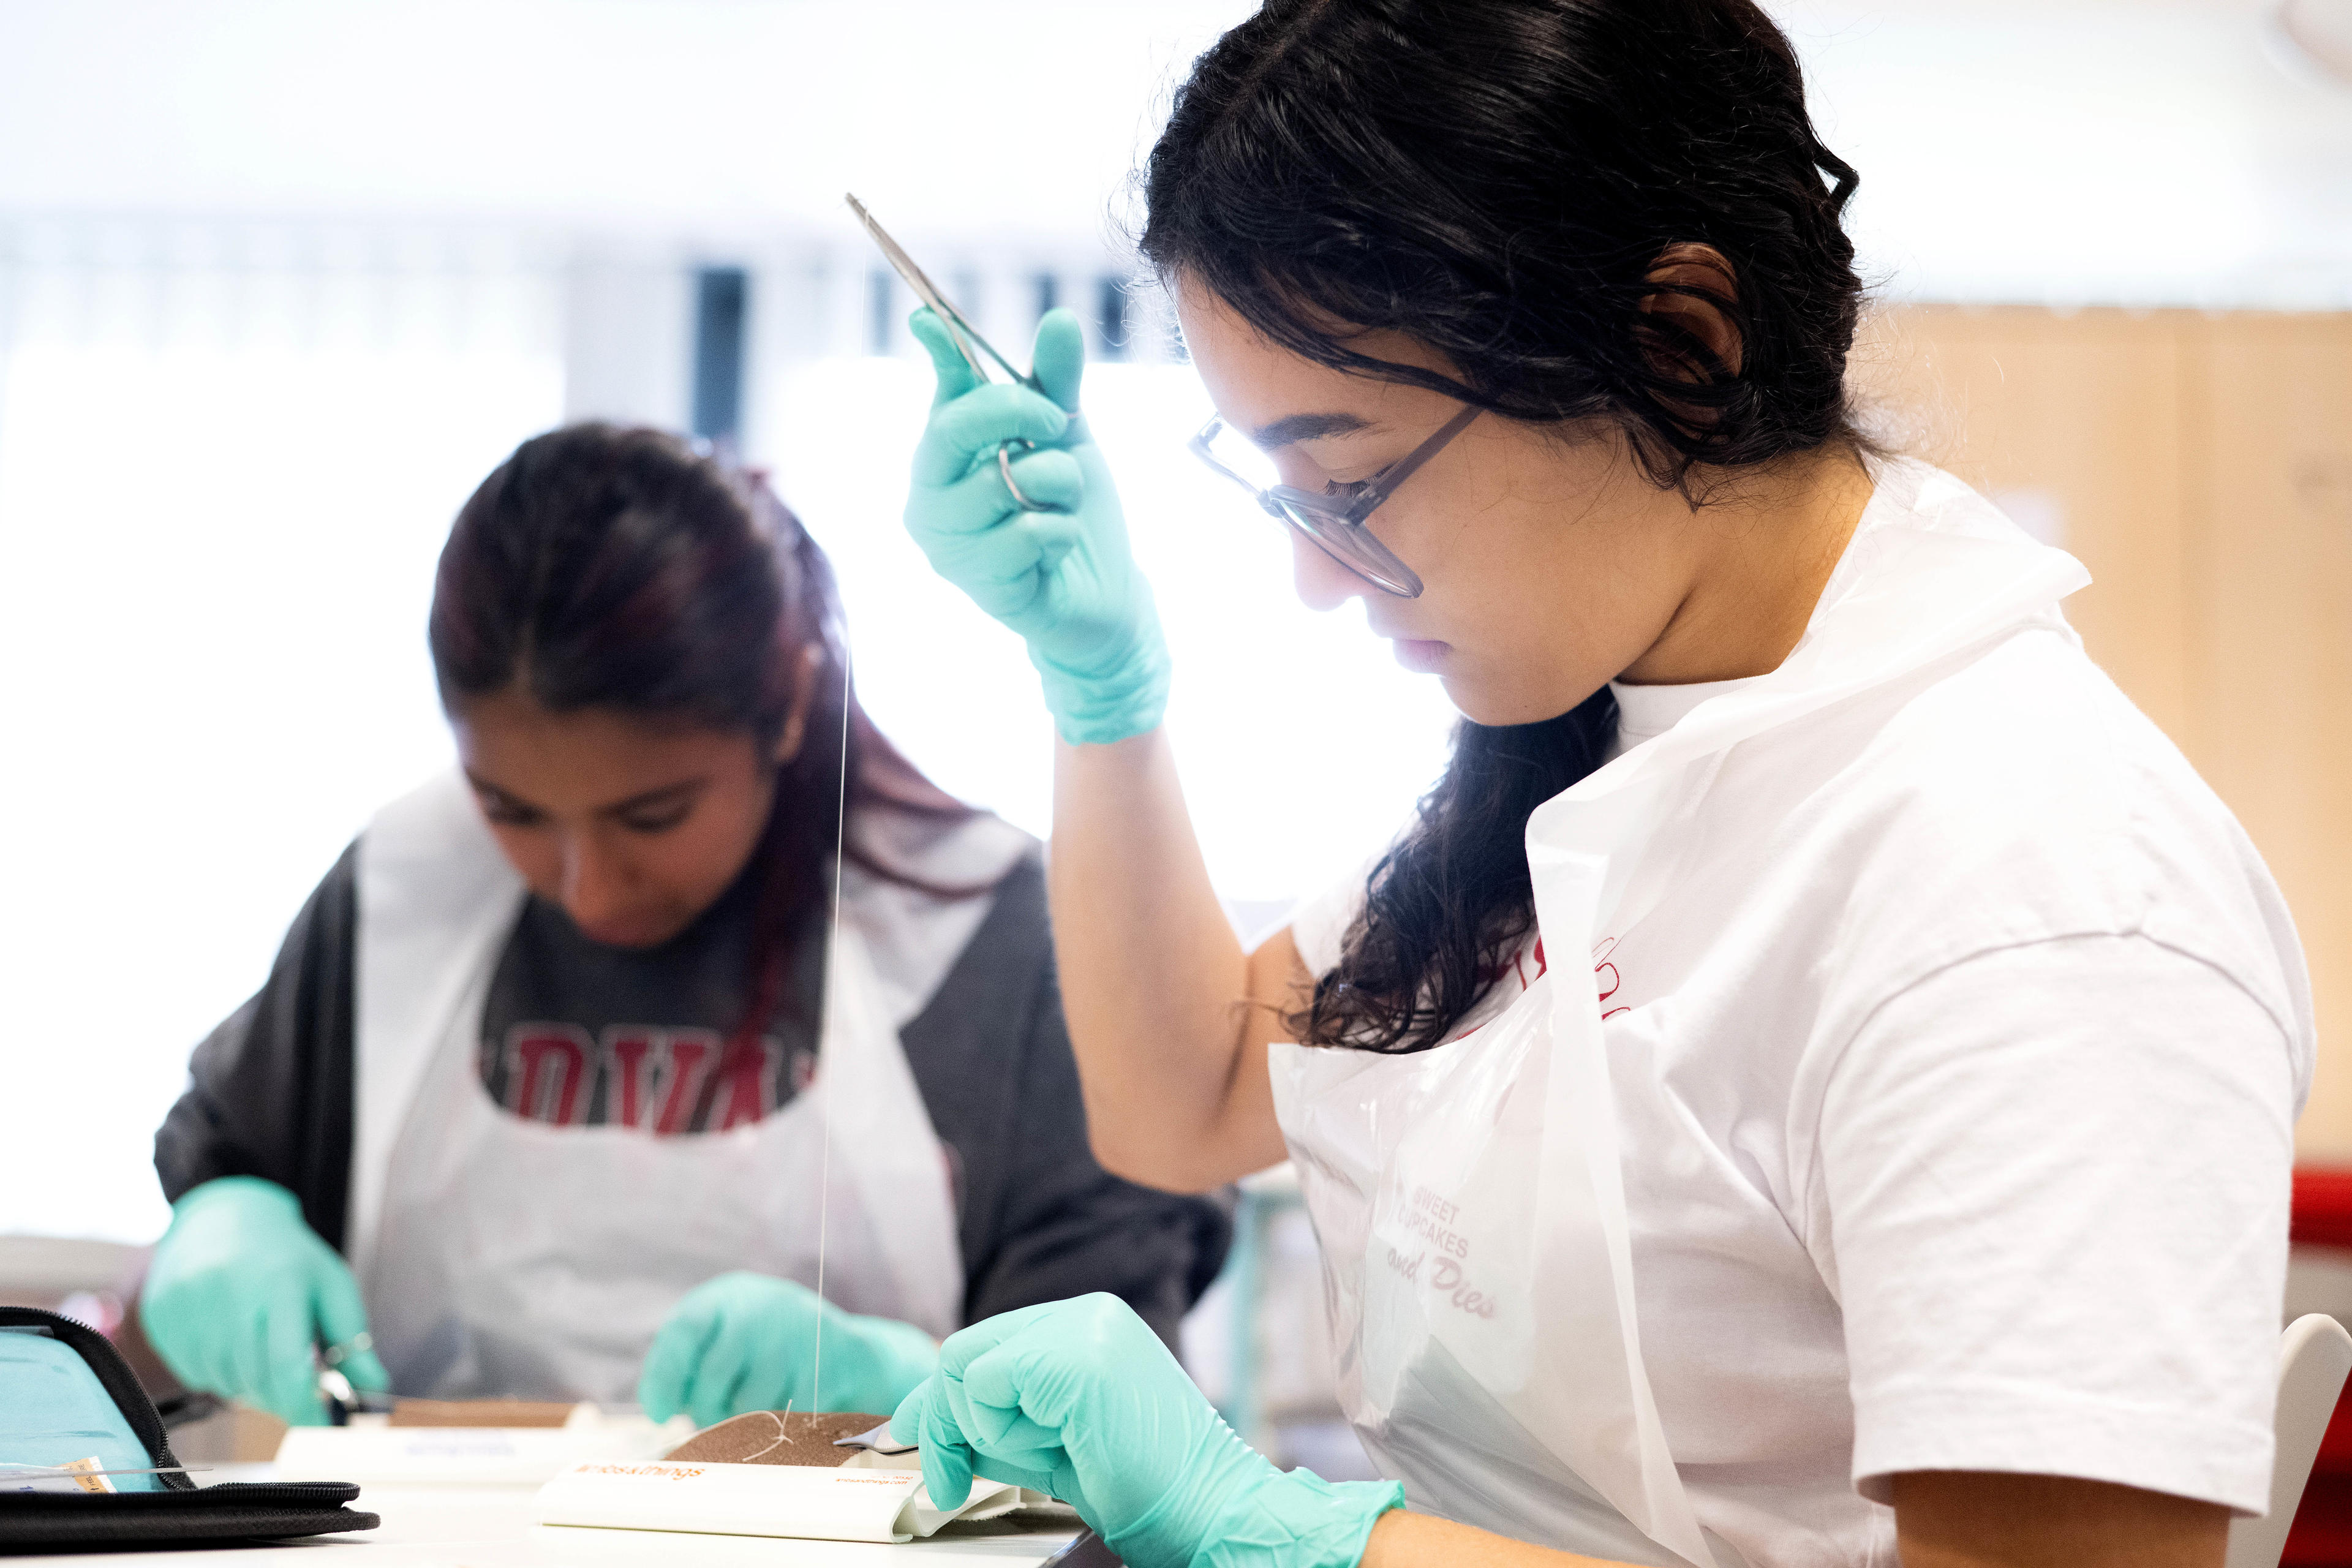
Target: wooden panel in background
2272 625
2073 425
2201 467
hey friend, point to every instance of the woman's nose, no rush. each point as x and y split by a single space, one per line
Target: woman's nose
595 888
1322 583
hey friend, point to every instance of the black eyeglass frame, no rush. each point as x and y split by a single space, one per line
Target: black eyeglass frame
1353 545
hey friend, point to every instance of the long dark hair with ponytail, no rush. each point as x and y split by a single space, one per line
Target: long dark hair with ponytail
603 567
1500 180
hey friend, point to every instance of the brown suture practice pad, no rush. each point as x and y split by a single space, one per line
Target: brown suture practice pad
776 1438
478 1412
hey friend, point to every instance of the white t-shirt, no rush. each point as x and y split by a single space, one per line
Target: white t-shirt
1957 1108
1646 712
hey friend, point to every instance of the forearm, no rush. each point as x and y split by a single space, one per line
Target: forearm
1943 1519
1959 1518
1155 988
1403 1540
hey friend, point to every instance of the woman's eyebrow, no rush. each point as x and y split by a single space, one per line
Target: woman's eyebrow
1298 428
507 798
654 796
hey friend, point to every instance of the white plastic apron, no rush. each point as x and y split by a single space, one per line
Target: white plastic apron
509 1256
1468 1200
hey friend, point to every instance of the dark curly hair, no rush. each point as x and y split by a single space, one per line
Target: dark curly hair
1499 180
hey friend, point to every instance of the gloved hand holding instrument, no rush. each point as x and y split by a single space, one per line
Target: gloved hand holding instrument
242 1294
748 1342
1013 503
1080 1400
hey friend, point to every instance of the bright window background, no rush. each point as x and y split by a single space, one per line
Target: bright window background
1269 695
280 281
222 490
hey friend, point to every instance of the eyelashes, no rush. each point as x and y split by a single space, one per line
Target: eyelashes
650 822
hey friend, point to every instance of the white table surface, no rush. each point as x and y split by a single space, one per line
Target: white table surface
491 1527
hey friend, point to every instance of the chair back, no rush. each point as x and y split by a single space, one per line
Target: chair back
2313 1357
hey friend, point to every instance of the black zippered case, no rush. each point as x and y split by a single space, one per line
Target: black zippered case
182 1512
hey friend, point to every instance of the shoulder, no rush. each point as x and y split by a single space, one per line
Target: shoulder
965 894
2029 758
332 900
2026 747
435 830
1015 923
950 852
2021 797
437 810
1019 899
429 858
2017 746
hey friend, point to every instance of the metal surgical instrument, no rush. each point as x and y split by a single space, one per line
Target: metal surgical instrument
963 334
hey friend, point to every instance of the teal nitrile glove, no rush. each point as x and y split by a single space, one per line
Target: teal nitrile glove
748 1342
1063 579
1079 1399
240 1293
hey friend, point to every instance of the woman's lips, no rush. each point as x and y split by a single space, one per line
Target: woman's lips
1418 655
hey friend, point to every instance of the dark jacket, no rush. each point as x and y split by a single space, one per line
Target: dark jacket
270 1095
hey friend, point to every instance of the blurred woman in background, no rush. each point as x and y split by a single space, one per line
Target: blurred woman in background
524 1108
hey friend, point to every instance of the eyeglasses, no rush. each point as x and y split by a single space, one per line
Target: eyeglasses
1334 519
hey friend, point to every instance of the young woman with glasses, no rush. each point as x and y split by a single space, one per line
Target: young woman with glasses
1814 1083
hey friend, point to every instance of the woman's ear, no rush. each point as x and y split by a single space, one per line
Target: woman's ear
803 677
1695 291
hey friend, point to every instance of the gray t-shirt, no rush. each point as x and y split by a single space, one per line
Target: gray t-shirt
577 1034
272 1093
